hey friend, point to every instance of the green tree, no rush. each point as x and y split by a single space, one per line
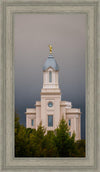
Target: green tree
49 146
21 139
80 146
30 147
65 144
20 142
37 141
41 143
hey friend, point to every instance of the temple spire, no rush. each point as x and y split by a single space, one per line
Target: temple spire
50 48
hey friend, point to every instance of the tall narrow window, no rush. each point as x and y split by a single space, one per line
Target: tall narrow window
50 120
69 133
69 122
50 76
32 122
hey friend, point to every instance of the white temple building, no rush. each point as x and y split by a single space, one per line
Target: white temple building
51 109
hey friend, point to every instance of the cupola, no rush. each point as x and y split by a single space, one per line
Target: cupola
50 72
50 62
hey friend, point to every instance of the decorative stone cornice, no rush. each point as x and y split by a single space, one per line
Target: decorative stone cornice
30 111
66 103
73 110
38 103
73 113
50 93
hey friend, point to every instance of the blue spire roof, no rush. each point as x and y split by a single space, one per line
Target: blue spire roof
51 62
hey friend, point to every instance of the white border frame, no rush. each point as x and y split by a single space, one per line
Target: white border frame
9 8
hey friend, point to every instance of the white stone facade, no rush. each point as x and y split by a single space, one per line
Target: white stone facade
51 109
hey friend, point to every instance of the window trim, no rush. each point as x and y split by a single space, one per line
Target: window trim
51 104
69 122
48 121
32 122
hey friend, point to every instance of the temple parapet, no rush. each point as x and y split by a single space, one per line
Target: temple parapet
73 110
30 110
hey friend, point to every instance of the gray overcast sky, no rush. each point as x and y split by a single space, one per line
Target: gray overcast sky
32 35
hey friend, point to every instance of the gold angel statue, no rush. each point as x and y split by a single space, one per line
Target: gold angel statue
50 47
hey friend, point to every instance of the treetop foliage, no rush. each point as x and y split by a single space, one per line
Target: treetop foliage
41 143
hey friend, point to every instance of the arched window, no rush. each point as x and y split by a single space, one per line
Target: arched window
50 76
